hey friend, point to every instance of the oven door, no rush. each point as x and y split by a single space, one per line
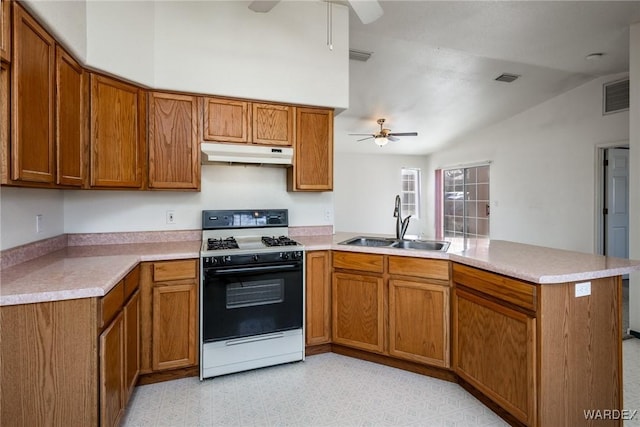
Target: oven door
241 301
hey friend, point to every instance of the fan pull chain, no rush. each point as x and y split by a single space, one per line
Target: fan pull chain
330 25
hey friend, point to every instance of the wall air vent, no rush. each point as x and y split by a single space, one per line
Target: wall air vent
359 55
506 77
615 96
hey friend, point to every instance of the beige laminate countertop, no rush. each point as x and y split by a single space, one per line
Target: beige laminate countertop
83 271
535 264
91 271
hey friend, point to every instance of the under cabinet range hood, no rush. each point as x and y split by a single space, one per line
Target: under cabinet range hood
246 153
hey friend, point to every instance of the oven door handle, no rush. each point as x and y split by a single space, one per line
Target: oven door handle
254 339
216 272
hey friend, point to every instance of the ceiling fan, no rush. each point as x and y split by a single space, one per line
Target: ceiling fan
383 135
368 11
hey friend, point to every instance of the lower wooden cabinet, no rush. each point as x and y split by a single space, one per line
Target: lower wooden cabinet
169 315
112 373
358 311
318 297
131 344
419 321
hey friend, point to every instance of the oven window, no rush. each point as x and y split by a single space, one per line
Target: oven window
257 292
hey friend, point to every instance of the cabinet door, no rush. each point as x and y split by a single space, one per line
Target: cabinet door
318 295
71 120
32 95
5 30
5 155
174 326
358 311
272 124
313 166
116 150
494 350
174 151
226 120
112 372
131 344
419 322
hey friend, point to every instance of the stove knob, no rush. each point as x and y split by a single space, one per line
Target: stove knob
255 257
226 259
214 260
297 255
284 255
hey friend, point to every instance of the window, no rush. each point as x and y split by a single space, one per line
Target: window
465 202
410 194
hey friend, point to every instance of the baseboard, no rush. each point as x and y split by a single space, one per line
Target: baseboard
174 374
634 333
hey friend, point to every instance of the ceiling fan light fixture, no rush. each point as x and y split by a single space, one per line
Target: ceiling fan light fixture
381 141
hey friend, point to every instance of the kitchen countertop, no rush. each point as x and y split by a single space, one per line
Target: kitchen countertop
91 271
531 263
83 271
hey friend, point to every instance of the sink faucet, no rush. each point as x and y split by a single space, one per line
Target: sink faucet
401 224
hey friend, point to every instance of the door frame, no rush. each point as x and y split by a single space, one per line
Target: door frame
600 192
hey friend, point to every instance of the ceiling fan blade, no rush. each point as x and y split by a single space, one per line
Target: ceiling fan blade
361 134
393 138
403 134
364 139
263 6
367 10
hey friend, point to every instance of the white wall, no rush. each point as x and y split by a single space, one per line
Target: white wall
223 48
365 191
120 38
223 187
543 168
634 176
18 210
66 20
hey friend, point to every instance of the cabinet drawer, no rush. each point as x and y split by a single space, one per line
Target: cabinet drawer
131 282
514 291
358 261
110 304
174 270
419 267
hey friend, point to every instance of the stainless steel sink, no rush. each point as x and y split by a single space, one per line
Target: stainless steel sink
368 241
422 245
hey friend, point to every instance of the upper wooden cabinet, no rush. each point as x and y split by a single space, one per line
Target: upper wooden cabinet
313 164
32 99
71 120
174 147
117 133
5 30
5 155
272 124
226 120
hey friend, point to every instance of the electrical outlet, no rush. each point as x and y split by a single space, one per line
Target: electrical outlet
39 223
583 289
171 217
327 214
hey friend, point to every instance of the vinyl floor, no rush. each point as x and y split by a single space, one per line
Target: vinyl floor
330 390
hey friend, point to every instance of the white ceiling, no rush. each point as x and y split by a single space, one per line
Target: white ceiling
434 64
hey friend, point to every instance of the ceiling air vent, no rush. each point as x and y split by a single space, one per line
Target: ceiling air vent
359 55
506 77
615 96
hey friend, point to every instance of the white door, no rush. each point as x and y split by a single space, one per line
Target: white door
617 203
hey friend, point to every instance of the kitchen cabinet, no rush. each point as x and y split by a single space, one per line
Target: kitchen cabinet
119 345
272 124
226 120
5 154
358 301
419 310
313 159
71 120
318 297
169 315
5 30
32 95
118 112
174 150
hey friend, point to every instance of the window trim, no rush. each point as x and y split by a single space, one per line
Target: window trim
406 171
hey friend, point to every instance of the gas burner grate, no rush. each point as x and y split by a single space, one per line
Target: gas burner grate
278 241
217 244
